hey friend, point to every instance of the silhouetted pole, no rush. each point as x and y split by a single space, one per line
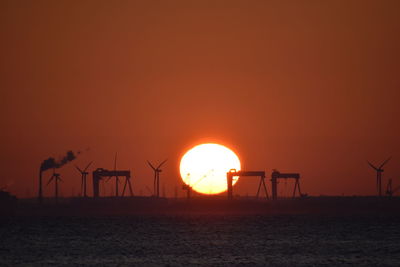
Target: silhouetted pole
158 184
389 188
40 196
274 184
56 188
155 184
188 188
116 186
84 184
96 180
229 180
379 178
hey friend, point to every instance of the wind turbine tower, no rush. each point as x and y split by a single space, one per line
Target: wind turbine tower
84 174
379 171
56 177
156 182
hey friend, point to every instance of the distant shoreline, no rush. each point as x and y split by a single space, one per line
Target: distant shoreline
110 206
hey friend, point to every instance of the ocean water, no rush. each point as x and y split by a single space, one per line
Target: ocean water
211 240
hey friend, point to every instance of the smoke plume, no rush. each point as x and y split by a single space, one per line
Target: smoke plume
51 162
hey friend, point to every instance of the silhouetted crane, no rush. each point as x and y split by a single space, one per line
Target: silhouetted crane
233 173
379 171
116 176
127 176
275 175
189 187
100 173
84 174
156 182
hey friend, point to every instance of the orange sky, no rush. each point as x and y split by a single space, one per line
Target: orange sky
307 86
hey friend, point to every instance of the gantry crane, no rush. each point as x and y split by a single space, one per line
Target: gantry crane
101 173
233 172
277 175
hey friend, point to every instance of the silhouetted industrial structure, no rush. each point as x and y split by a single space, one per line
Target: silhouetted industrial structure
379 171
100 174
52 163
274 182
116 177
84 174
188 189
156 182
233 173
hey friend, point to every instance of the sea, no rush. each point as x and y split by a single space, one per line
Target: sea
201 240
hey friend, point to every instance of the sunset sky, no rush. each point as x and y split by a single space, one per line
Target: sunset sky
300 86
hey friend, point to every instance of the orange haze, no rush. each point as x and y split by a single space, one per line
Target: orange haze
301 86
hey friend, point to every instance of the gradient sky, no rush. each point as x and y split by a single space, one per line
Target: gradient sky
306 86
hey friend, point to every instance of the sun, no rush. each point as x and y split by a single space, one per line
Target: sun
204 168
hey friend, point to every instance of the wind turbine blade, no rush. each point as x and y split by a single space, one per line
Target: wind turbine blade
90 163
372 166
151 165
51 179
204 176
162 163
386 161
79 170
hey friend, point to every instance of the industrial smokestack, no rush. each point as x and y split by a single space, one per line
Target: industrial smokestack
51 163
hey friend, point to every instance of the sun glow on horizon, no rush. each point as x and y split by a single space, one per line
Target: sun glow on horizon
204 168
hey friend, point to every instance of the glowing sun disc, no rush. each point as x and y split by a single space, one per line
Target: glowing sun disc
204 168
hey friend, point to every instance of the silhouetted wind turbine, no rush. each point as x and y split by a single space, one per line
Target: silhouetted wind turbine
156 182
379 171
189 187
56 177
83 181
390 191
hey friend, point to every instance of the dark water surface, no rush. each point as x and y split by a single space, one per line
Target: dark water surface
213 240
